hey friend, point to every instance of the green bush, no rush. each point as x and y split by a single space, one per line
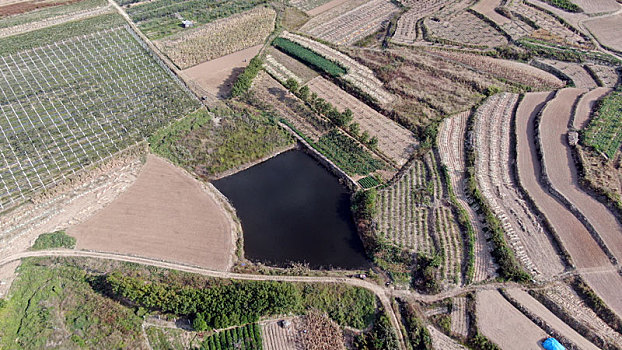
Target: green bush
565 5
348 154
245 79
58 239
604 131
309 57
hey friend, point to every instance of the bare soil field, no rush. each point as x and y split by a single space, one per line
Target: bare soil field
394 141
585 105
563 174
290 107
464 28
218 38
607 31
355 24
551 320
510 70
303 72
165 214
580 77
575 237
597 6
500 322
606 76
487 8
325 7
407 31
608 286
451 135
525 234
442 341
216 77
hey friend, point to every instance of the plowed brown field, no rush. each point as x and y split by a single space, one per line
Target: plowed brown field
165 214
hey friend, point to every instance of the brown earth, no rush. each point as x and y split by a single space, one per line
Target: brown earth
563 173
487 8
607 30
608 286
597 6
503 324
547 316
26 6
575 237
325 7
165 215
217 76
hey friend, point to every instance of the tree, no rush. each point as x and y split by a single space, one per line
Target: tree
373 142
292 85
346 116
199 323
364 137
303 92
355 129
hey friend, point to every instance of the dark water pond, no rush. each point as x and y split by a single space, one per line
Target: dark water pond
294 210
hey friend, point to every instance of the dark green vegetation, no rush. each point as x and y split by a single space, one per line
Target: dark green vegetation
159 18
58 239
381 336
565 5
29 40
309 57
369 182
425 272
211 144
55 303
416 333
509 267
348 154
245 80
247 337
604 131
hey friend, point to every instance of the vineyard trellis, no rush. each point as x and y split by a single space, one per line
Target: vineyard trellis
70 104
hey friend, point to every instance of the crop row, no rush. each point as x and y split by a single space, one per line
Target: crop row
247 337
309 57
604 131
73 103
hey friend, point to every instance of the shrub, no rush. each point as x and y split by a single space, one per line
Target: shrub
309 57
58 239
245 79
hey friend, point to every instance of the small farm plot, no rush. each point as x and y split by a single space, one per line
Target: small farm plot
597 6
355 24
394 141
307 5
245 337
219 38
160 18
607 31
525 234
604 131
356 74
407 31
73 103
330 11
464 28
297 68
605 75
280 335
575 72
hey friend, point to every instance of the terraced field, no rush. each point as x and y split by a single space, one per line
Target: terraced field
355 24
442 341
523 229
72 103
605 76
579 75
453 157
459 321
605 29
394 141
463 28
407 31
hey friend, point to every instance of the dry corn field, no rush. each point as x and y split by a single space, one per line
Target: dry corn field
564 297
407 31
306 5
275 337
442 341
331 13
607 76
358 75
459 322
510 70
451 135
464 28
319 332
219 38
288 106
579 76
450 240
394 141
355 24
524 232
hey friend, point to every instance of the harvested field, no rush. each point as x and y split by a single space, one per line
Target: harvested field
579 76
509 70
355 24
601 173
606 76
534 307
216 77
463 28
451 135
276 337
459 322
307 5
442 341
597 6
289 107
584 106
608 286
299 69
487 8
407 31
394 141
525 234
358 74
607 31
564 297
279 71
574 236
219 38
329 12
503 324
563 174
325 7
165 214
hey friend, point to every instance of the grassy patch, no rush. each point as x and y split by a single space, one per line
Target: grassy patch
565 5
369 182
58 239
309 57
54 304
604 132
246 337
348 154
209 143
